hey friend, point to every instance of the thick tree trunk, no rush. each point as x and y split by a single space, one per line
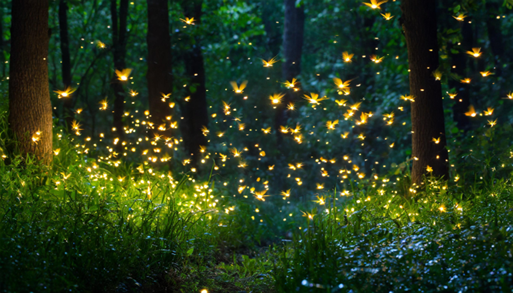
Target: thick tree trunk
293 35
119 52
195 110
30 109
427 113
159 76
66 62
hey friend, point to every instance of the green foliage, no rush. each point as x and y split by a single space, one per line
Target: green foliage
436 242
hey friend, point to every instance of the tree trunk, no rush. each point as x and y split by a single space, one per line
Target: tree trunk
2 56
293 35
427 113
159 75
195 110
66 62
119 52
273 35
493 26
460 60
30 109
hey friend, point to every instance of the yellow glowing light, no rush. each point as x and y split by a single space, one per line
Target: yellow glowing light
476 52
133 93
488 112
410 98
347 57
471 112
100 45
291 84
320 200
376 59
270 62
238 89
65 93
437 74
429 169
331 124
123 74
188 20
276 98
260 195
375 4
460 17
314 98
387 16
340 83
485 73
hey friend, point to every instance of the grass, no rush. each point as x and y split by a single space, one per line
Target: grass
87 226
437 242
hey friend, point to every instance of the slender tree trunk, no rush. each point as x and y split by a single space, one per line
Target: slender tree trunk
2 56
119 52
195 110
66 61
427 113
272 33
159 76
460 61
493 26
30 109
293 35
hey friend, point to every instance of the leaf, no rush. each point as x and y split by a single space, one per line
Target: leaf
190 251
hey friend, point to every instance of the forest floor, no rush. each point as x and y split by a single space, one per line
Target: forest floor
85 226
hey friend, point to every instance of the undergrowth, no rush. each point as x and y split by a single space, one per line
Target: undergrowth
88 226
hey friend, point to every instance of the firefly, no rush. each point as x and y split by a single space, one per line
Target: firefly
123 74
347 57
276 98
460 17
471 111
387 16
291 84
65 93
187 20
270 62
239 89
375 4
476 52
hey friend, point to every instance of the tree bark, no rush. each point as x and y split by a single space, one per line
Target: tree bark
460 61
159 75
2 56
493 26
66 62
119 52
30 109
427 113
195 110
274 36
293 36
